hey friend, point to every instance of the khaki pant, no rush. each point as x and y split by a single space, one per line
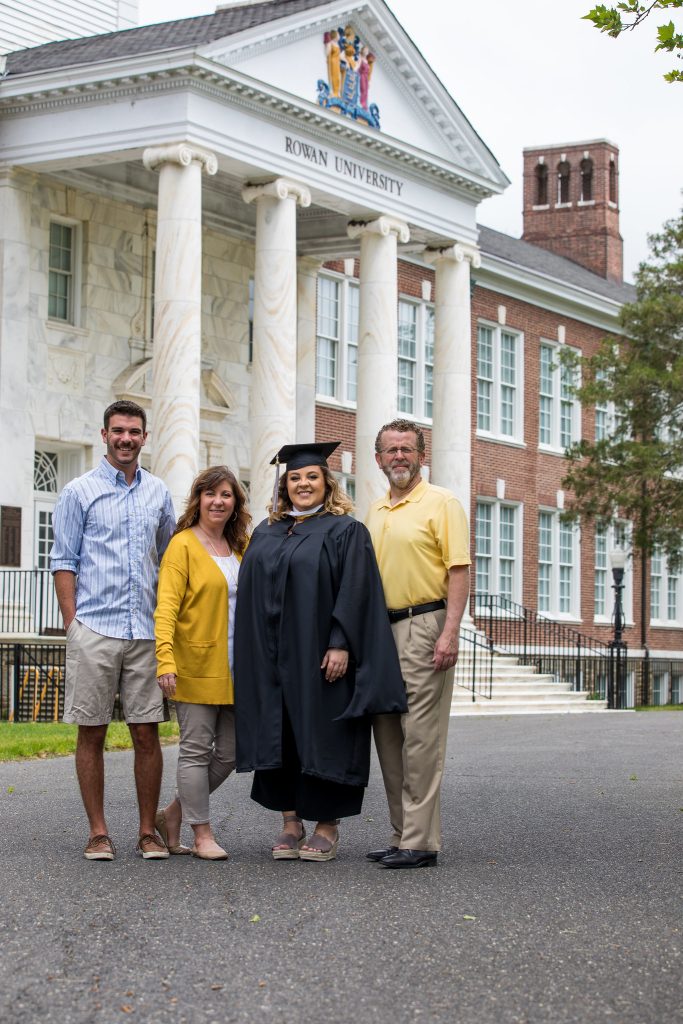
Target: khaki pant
412 747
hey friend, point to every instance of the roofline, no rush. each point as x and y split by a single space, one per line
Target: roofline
76 85
572 145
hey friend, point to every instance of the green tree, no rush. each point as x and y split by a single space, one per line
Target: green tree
627 15
635 471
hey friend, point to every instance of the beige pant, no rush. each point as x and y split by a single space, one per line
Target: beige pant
206 755
412 747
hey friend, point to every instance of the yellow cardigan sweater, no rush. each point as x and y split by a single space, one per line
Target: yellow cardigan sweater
191 623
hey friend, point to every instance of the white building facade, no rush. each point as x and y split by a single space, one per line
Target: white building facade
167 198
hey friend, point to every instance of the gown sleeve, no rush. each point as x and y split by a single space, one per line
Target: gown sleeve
360 611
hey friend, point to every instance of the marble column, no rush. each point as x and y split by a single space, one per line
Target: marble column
273 417
306 296
452 374
377 346
178 314
16 482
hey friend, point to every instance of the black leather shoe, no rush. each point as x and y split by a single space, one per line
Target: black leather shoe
410 859
381 854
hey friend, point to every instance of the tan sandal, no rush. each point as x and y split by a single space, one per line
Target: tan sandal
319 847
287 846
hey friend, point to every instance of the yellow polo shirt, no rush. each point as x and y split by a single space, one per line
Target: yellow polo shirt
416 542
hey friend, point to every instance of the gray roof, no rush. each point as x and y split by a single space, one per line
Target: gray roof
533 257
168 35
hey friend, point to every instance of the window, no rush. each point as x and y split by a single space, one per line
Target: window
558 409
613 181
337 339
609 538
557 562
62 272
541 185
497 550
499 391
586 180
563 180
52 469
415 358
666 600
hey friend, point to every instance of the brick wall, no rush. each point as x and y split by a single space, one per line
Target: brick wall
586 232
532 477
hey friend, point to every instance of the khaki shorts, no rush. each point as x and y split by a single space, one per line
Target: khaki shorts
98 667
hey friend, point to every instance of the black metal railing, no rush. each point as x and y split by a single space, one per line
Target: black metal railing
552 648
32 681
474 668
28 603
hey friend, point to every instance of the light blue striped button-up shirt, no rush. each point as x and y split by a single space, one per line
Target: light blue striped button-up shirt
112 537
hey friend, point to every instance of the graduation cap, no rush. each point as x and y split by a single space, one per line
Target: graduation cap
295 456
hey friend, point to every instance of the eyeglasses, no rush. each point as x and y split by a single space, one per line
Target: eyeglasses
392 452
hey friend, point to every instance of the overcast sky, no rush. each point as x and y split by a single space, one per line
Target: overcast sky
531 72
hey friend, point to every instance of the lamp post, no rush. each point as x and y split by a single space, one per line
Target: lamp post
617 677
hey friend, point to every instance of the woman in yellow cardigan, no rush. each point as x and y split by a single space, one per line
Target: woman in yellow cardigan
194 629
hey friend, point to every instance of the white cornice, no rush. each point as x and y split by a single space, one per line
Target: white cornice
53 93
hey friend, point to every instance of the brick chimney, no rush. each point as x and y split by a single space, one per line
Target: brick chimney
571 204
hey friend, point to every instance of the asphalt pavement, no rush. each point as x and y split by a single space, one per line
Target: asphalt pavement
557 897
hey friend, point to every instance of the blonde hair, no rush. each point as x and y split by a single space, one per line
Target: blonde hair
337 501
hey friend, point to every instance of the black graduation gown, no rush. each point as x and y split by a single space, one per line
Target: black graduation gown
305 587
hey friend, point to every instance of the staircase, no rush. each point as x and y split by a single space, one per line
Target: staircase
516 690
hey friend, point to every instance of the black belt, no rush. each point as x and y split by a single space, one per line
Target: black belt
396 614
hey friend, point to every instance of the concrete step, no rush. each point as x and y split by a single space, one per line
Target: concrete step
482 707
524 697
522 691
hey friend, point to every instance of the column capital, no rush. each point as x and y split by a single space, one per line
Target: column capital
181 153
279 188
458 252
383 225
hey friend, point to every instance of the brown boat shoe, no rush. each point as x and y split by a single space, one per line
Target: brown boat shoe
151 847
100 848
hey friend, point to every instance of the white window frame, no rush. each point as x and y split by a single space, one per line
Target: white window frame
617 536
69 464
558 608
559 403
496 384
670 587
345 342
421 407
75 275
496 553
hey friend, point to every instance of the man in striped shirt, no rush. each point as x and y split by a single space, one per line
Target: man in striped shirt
111 527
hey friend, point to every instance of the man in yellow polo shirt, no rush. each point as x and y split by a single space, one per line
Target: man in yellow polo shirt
421 541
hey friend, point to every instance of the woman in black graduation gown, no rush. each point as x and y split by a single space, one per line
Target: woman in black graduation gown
314 656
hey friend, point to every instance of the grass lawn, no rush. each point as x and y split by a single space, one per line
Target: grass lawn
21 740
661 707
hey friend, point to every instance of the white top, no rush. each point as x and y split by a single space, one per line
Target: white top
230 567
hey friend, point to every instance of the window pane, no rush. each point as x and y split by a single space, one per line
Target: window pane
545 553
600 587
326 367
483 547
506 548
406 385
328 307
429 360
566 567
352 313
407 330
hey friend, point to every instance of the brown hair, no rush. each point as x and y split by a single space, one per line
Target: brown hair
236 529
125 408
336 500
402 427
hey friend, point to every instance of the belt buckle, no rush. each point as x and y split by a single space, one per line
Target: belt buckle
410 612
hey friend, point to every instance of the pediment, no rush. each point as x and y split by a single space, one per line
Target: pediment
379 67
